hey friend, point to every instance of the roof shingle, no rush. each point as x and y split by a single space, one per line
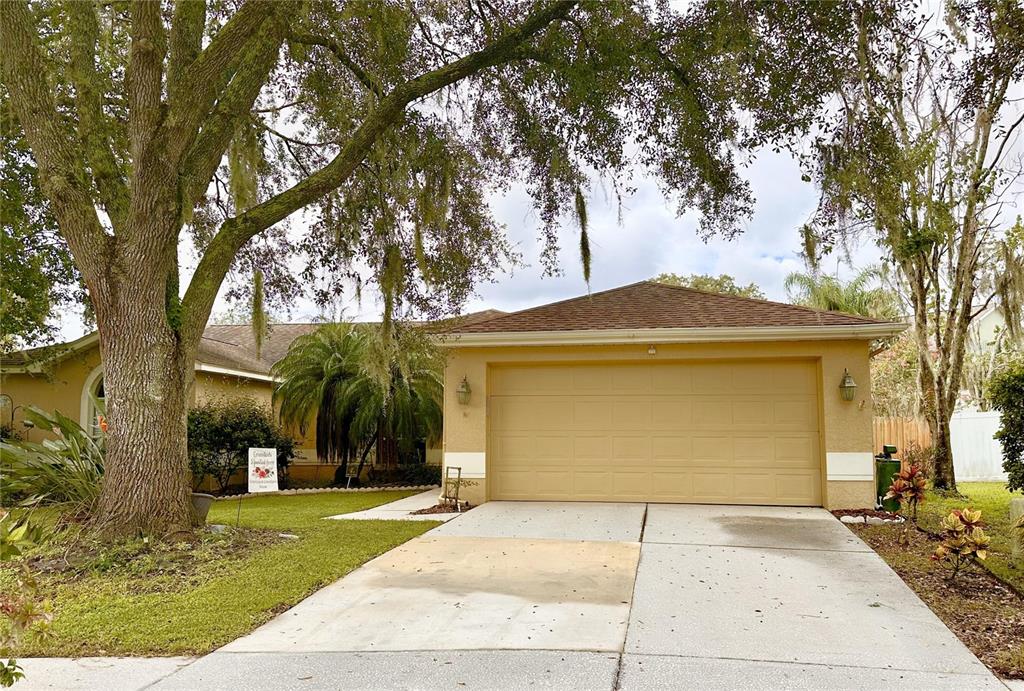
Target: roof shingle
651 305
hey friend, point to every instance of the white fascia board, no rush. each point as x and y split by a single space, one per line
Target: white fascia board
213 369
865 332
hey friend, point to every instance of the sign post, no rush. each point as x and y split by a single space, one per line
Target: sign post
262 470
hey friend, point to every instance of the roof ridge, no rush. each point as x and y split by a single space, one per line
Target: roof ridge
564 301
812 310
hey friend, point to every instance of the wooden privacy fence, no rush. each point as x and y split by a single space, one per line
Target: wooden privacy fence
977 456
900 431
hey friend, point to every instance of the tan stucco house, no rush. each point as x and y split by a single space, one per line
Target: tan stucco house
66 377
655 393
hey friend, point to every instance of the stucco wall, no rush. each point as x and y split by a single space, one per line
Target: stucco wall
846 426
58 387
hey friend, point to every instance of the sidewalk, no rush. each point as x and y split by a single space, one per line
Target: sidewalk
90 673
401 510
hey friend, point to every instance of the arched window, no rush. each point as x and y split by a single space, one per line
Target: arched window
92 402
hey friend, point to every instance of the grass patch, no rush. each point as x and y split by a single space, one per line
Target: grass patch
137 598
993 499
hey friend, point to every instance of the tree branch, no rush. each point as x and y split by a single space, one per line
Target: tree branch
364 77
187 26
235 232
106 171
61 175
207 73
203 157
144 79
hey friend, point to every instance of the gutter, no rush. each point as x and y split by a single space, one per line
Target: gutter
865 332
213 369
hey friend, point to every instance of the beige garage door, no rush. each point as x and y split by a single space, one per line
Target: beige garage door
721 432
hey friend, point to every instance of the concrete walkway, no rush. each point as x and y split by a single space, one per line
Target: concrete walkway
401 510
606 596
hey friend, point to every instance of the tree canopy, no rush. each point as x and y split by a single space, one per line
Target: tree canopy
723 283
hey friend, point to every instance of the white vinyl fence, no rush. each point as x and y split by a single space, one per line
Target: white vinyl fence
976 455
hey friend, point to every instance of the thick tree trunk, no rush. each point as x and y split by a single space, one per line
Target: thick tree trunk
148 377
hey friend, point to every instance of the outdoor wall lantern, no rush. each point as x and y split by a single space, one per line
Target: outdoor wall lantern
463 392
847 387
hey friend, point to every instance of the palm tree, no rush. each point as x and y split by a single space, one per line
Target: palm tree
363 384
856 296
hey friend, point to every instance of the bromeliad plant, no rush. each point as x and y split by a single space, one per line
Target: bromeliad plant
964 542
908 488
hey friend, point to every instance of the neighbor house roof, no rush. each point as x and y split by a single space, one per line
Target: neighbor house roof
647 308
228 348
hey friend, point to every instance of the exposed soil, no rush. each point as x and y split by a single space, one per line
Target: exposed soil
984 613
77 556
441 508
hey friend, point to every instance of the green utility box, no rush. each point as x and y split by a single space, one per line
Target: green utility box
886 468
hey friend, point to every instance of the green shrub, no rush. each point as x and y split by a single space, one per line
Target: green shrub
220 433
1006 392
419 474
65 471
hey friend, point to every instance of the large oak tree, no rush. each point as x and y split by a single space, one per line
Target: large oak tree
157 127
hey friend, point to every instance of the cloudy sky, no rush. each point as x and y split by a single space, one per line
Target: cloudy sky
650 240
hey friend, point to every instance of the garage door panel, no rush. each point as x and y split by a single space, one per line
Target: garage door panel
627 485
754 488
589 449
627 448
713 486
709 450
672 413
716 432
671 449
591 414
632 413
672 485
592 484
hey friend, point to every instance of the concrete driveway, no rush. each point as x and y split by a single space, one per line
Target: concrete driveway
608 596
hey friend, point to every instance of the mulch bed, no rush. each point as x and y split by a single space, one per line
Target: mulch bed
984 613
867 513
441 508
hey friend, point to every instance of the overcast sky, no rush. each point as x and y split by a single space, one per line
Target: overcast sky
649 240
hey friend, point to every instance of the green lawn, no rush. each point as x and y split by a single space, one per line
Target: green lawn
993 499
150 604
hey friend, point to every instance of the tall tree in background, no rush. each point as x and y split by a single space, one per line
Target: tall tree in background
156 126
920 157
723 283
863 294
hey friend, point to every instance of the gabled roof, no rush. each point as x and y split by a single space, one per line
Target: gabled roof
648 306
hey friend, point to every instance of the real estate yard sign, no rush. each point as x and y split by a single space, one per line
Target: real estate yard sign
262 470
